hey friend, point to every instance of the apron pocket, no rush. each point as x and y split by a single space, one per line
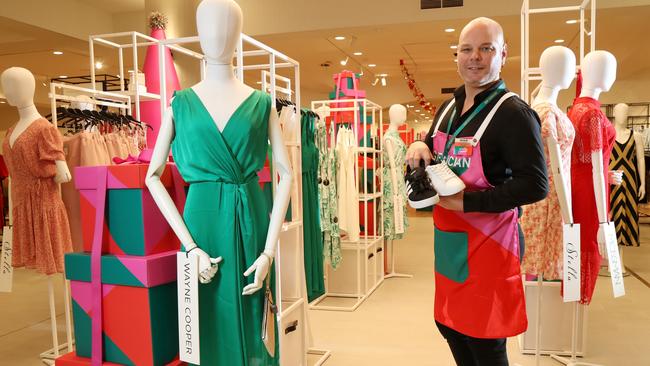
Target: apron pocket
450 250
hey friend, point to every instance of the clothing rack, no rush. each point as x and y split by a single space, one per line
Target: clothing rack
295 338
529 74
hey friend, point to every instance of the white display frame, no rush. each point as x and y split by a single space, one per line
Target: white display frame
289 260
365 280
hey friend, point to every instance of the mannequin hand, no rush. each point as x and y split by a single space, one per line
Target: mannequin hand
261 268
453 202
602 248
208 267
416 152
62 177
641 192
615 177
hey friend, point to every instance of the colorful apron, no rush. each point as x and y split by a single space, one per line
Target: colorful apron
479 290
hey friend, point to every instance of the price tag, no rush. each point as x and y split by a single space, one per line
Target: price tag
571 239
614 260
187 267
6 268
398 211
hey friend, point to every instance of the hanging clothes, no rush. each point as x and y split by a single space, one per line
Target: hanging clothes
542 220
41 234
328 196
346 146
389 191
227 216
594 133
624 198
313 240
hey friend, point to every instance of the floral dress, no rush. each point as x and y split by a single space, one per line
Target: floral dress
399 150
328 198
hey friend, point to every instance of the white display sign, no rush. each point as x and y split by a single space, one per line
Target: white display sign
6 268
187 267
571 240
398 210
615 269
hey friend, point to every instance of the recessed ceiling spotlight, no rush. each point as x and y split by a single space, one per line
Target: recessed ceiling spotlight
417 111
572 21
339 38
344 62
372 65
258 82
383 81
455 60
453 46
449 30
559 41
63 76
99 65
2 102
358 53
57 53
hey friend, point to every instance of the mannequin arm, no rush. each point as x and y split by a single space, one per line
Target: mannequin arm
640 162
62 172
282 166
560 180
600 196
207 266
391 161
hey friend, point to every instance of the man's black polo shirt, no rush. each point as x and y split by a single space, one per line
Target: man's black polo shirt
511 150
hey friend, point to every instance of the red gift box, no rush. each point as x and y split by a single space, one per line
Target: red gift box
71 359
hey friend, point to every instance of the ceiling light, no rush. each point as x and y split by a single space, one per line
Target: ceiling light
455 60
344 62
572 21
559 41
375 82
383 81
372 65
339 38
63 76
417 111
453 46
58 52
99 65
422 114
449 30
258 82
2 102
358 53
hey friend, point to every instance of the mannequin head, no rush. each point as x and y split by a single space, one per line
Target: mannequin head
598 73
18 85
397 115
219 24
620 115
558 67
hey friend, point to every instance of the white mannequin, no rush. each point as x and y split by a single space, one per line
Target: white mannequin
622 134
558 67
19 86
397 115
219 24
598 75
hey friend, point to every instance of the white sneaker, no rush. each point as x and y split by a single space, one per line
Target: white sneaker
444 180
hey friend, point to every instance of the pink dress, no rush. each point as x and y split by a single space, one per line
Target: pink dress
40 224
542 221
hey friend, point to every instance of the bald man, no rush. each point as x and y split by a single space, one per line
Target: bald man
490 139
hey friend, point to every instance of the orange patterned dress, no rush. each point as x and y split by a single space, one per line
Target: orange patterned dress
41 234
542 220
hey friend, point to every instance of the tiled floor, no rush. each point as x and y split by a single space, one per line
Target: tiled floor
392 327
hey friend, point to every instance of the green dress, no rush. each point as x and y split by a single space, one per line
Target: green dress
389 190
313 240
227 215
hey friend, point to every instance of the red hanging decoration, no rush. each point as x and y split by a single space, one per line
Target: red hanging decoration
417 93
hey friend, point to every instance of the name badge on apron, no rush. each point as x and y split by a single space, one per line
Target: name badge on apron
462 147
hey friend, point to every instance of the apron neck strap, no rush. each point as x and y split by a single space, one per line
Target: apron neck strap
488 118
443 114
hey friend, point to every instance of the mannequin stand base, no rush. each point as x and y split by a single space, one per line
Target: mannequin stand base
572 361
397 275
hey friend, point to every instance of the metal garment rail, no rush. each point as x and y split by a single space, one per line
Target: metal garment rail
365 281
292 236
529 73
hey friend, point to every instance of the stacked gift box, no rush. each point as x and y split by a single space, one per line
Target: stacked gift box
139 323
346 88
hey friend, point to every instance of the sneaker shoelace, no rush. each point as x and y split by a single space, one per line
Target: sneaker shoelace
419 181
443 171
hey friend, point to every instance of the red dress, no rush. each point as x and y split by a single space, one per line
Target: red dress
594 132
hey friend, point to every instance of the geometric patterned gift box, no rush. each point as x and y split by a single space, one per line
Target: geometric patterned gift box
139 307
133 224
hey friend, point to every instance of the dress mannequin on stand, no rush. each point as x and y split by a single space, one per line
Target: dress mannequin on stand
394 192
628 157
218 131
595 137
542 221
